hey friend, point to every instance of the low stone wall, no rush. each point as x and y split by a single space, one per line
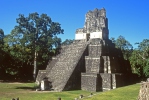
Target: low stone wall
144 91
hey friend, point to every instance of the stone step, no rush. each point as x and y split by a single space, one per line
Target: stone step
63 65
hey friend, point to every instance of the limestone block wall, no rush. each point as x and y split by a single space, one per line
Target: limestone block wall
93 64
144 91
101 82
41 75
74 82
96 35
95 50
60 75
112 81
106 81
52 63
91 82
103 67
106 61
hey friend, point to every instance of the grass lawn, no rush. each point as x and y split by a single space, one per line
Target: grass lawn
124 93
25 91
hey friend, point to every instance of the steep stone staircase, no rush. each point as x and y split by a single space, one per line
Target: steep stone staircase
60 69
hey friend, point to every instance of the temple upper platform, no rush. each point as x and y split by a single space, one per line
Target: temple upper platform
96 26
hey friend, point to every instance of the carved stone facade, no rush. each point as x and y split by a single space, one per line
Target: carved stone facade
95 21
104 65
96 26
91 63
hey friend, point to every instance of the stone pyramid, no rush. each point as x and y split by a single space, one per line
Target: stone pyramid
91 63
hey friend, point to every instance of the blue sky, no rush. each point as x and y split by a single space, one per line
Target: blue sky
129 18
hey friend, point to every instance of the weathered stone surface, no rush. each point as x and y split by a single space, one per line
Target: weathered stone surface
91 63
65 72
107 67
144 91
41 75
95 21
80 30
91 82
96 26
106 81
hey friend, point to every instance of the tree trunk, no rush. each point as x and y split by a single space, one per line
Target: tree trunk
35 57
35 67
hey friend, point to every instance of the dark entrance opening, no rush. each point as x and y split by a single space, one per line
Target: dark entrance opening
88 36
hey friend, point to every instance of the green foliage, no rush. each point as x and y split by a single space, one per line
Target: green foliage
1 36
124 45
2 54
140 59
35 33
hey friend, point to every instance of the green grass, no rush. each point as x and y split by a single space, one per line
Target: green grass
25 91
124 93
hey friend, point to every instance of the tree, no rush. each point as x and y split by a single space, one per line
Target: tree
2 53
33 39
67 42
124 45
140 59
1 36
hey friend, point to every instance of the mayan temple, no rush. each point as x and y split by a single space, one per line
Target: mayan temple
91 62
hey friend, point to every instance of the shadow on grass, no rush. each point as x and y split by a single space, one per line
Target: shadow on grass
27 88
19 81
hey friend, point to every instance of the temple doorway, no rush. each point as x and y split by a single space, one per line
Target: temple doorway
88 36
